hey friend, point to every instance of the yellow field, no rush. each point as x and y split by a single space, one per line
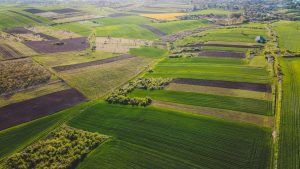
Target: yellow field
164 16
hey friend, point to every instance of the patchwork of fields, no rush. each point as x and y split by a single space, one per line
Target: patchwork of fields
164 89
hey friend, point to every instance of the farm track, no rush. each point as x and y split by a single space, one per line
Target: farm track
29 17
226 84
154 30
35 108
224 45
223 54
260 120
75 44
92 63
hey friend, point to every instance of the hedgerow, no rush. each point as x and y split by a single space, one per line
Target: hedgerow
63 148
120 96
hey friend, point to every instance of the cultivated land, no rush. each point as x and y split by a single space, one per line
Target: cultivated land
169 85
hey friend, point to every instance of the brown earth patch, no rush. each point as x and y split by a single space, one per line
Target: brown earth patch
32 109
92 63
223 54
223 45
66 45
226 84
260 120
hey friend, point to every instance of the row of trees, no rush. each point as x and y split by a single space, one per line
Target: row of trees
61 149
121 95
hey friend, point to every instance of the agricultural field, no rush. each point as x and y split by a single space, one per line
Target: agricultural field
149 84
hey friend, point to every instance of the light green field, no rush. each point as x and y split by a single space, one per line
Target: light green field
125 31
288 33
68 58
124 20
9 20
148 52
210 69
76 27
96 81
289 140
218 12
232 35
156 138
176 26
247 105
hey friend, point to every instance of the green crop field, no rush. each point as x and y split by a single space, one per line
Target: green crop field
148 52
155 138
176 26
125 20
207 100
76 27
289 138
288 34
232 35
210 69
10 20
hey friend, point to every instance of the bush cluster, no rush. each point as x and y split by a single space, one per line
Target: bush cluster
120 96
21 74
62 148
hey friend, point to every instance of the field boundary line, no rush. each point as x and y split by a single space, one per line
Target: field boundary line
260 120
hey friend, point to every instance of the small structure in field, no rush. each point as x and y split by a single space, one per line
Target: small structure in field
260 39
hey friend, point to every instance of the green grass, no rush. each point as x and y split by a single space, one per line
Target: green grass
289 35
148 52
289 140
210 69
76 27
176 26
232 35
96 81
10 20
130 31
218 12
156 138
124 20
247 105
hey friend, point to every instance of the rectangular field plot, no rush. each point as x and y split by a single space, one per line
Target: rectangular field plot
224 54
119 45
210 69
151 138
66 45
29 110
219 91
289 137
247 105
96 81
7 52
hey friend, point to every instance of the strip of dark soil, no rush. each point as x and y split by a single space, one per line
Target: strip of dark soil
226 84
115 15
34 11
52 46
148 12
224 45
32 18
154 30
92 63
47 37
32 109
66 10
223 54
19 30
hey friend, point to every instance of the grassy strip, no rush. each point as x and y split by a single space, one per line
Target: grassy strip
206 100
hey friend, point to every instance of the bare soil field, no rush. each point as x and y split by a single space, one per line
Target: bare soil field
34 11
260 120
223 54
224 45
154 30
8 52
19 30
29 35
92 63
226 84
115 15
119 45
65 10
29 110
53 32
66 45
76 18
